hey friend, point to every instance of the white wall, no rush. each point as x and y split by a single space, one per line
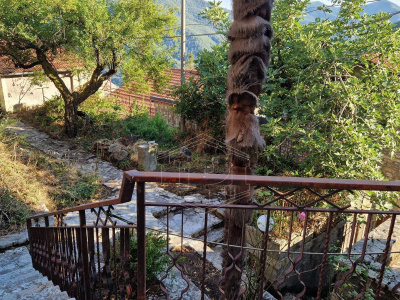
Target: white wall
17 91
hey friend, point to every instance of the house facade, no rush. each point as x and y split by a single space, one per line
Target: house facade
18 89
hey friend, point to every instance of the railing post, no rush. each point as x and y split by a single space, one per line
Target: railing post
127 186
141 238
84 253
28 227
48 245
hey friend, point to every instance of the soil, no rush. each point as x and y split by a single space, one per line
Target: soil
208 191
192 265
193 268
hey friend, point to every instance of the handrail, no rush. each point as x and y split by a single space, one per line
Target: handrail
273 181
254 180
77 208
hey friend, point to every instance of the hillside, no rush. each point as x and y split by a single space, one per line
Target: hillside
385 6
195 25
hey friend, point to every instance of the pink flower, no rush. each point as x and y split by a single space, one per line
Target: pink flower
302 216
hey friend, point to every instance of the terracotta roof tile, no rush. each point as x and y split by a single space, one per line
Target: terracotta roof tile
60 63
128 97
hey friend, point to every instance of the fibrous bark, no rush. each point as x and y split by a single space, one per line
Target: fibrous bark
249 55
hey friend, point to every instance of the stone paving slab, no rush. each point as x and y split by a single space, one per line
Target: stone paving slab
13 240
376 243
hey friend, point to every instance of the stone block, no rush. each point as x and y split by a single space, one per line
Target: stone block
147 157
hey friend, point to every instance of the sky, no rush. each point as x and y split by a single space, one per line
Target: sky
228 3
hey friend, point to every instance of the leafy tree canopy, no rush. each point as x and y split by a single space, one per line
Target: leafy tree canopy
332 92
104 36
202 98
331 99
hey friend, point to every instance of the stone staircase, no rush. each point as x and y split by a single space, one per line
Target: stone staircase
19 280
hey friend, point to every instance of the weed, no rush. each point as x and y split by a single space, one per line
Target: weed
84 187
39 181
13 211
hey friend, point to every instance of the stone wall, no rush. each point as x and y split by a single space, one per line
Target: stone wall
167 112
391 165
309 265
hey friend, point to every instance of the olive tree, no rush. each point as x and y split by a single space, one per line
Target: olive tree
99 37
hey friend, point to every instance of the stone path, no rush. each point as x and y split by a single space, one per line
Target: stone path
155 216
18 279
377 244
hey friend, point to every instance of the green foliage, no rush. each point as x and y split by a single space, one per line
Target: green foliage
331 97
13 211
49 113
196 27
150 129
355 283
202 98
156 256
217 16
101 110
131 30
84 188
104 118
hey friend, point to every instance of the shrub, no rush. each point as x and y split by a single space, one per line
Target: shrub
149 129
156 257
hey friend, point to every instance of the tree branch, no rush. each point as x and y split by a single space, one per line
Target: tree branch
52 73
96 81
23 66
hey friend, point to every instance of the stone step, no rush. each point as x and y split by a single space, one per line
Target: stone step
19 280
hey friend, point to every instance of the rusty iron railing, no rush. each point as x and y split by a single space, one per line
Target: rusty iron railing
91 260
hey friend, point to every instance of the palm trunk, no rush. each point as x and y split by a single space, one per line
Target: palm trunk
250 35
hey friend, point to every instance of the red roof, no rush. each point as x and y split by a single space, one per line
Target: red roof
60 63
127 97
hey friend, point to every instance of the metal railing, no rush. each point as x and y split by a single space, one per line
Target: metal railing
331 250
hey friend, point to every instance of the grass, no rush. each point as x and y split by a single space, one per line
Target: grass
32 181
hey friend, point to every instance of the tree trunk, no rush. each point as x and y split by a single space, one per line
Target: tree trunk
70 117
250 35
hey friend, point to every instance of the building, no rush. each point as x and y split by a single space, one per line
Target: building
155 102
19 89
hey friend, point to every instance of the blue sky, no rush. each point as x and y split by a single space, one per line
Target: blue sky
228 3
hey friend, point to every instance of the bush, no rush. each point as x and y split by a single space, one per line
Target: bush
202 98
156 257
150 129
101 118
